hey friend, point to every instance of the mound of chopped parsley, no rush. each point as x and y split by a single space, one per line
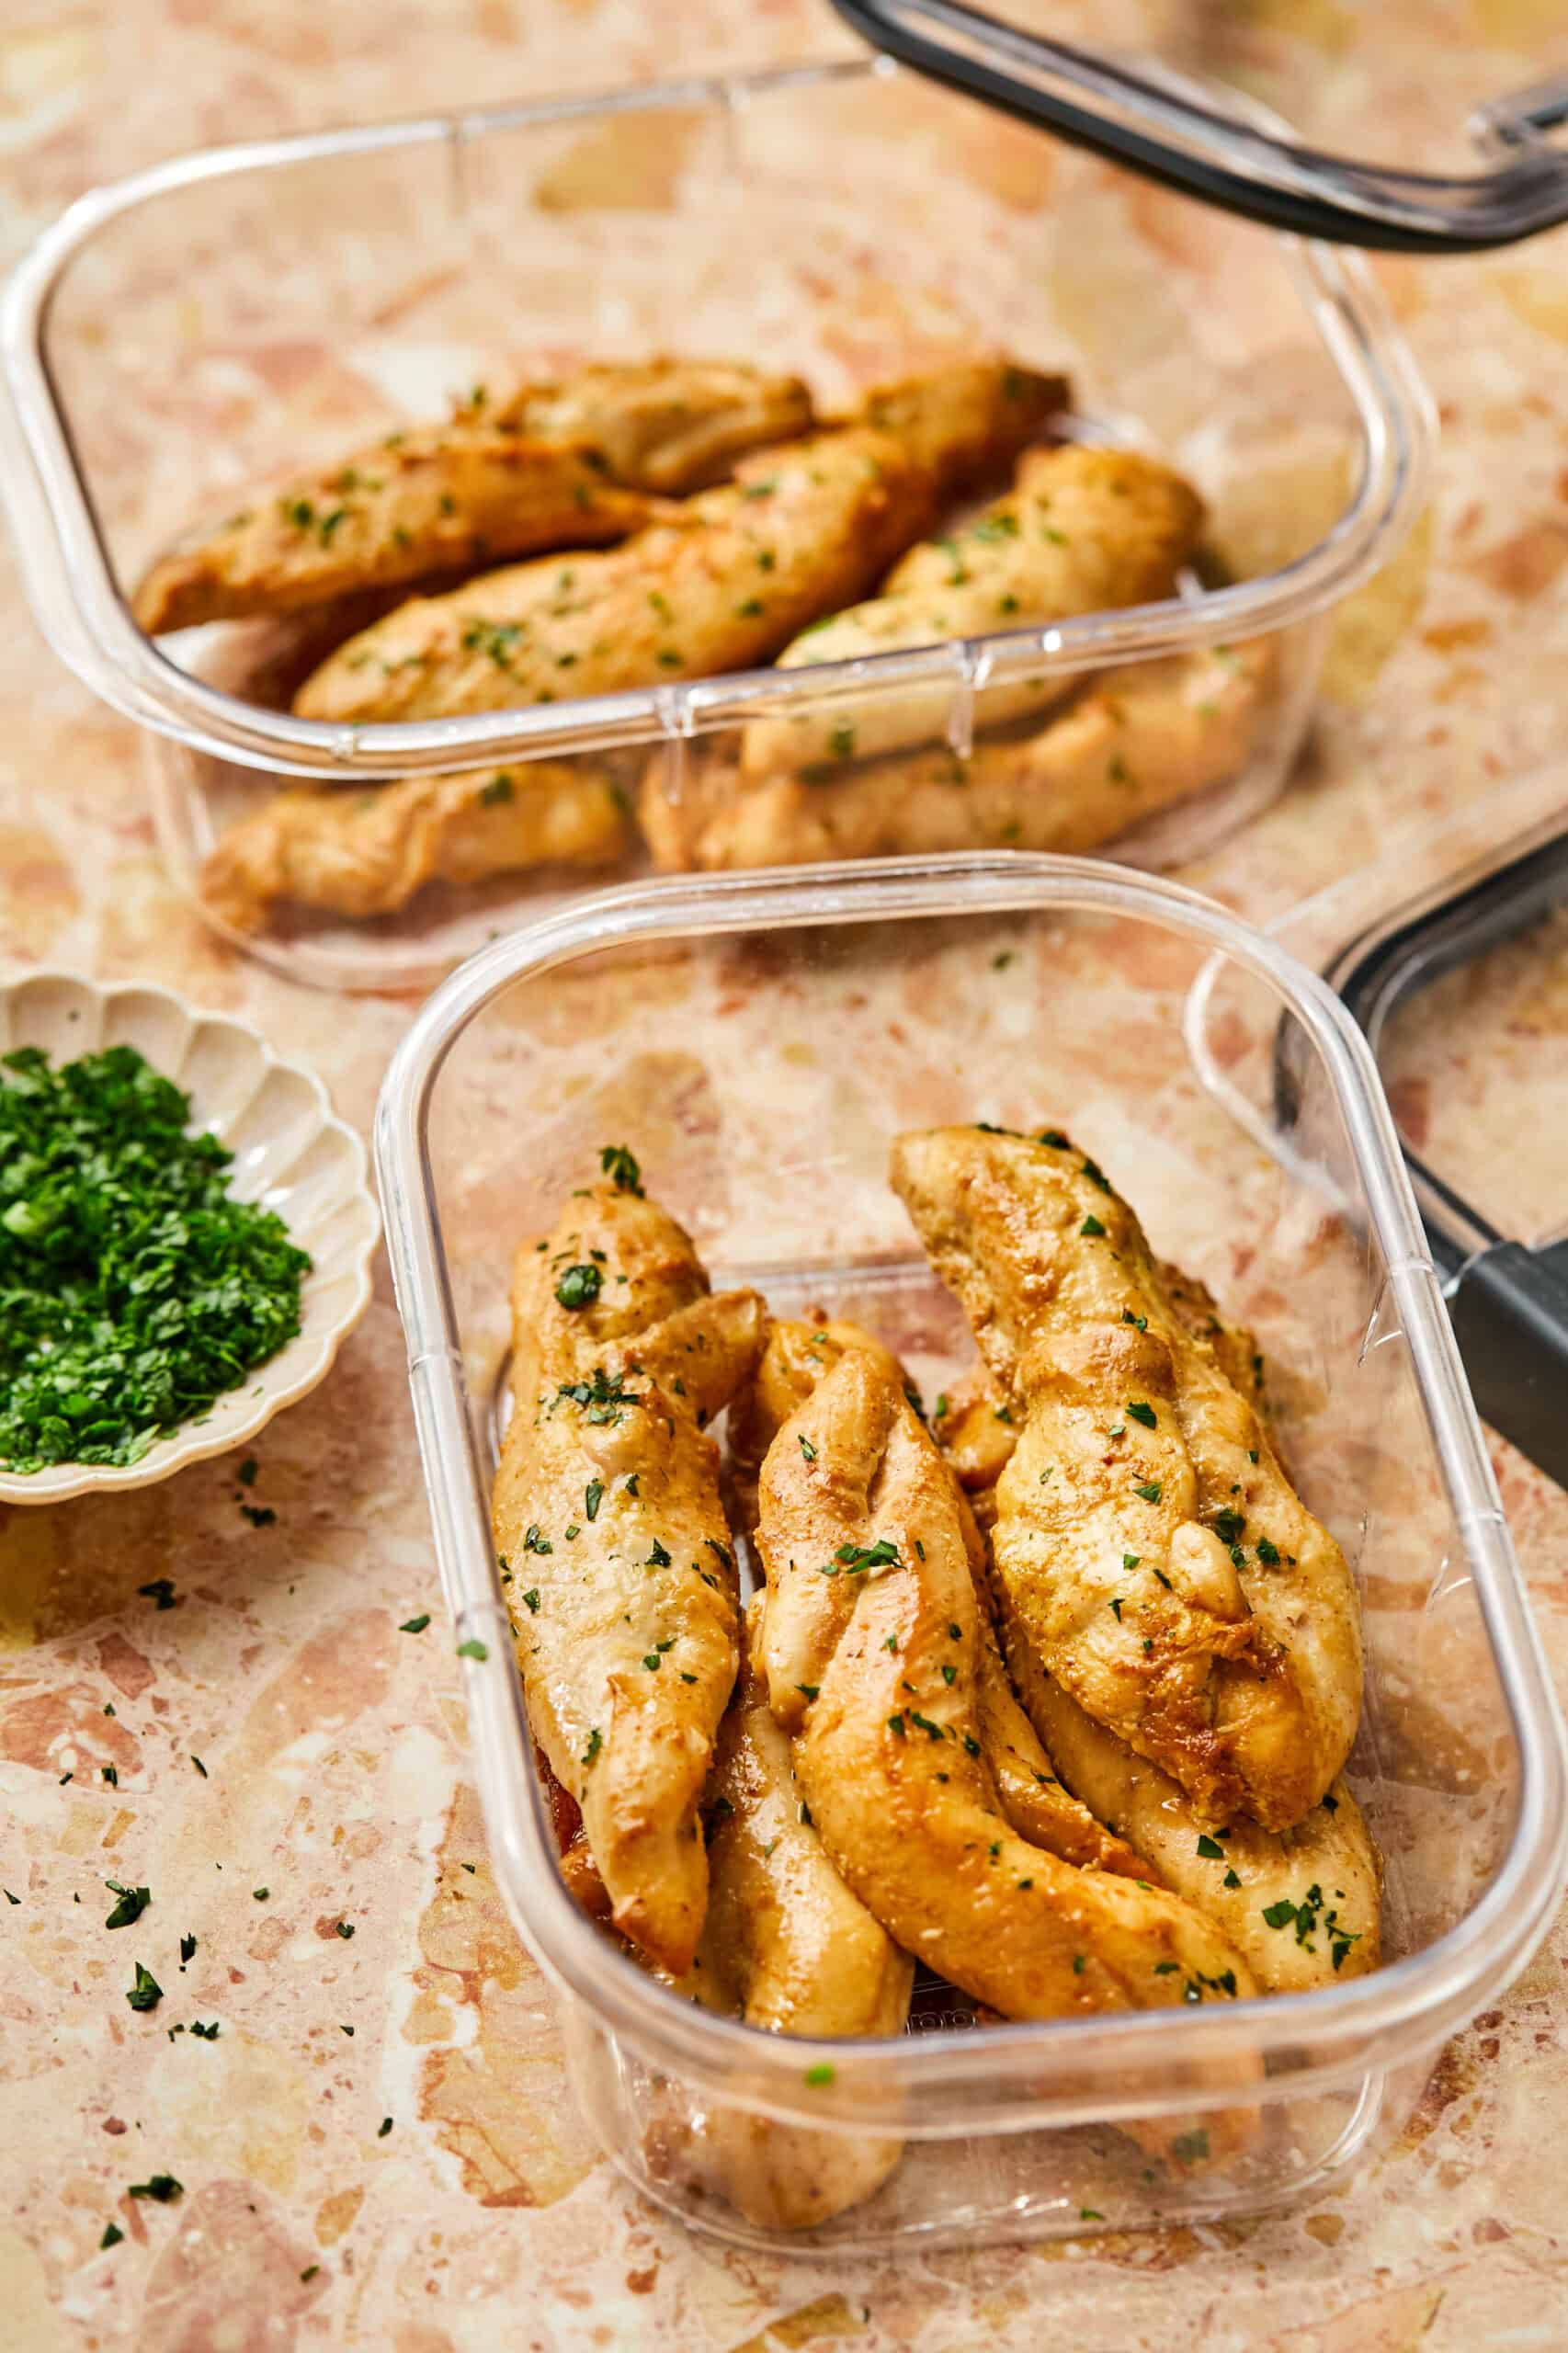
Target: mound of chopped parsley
132 1290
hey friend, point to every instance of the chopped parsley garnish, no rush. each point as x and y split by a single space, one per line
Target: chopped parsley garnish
895 1723
133 1902
112 2235
1269 1553
533 1541
652 1662
187 1950
136 1291
1230 1878
1151 1493
1131 1559
592 1495
161 1591
807 1690
949 1672
620 1166
416 1625
596 1742
1142 1412
383 2128
1228 1526
261 1894
579 1286
931 1730
819 2074
344 1929
1115 1611
111 1775
473 1648
530 1601
1091 1226
841 743
499 789
1080 1962
602 1397
1209 1848
146 1992
1140 1323
807 1448
658 1558
162 2188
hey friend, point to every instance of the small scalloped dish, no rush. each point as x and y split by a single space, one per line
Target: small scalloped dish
292 1152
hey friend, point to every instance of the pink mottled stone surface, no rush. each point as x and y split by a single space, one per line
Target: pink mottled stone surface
333 1744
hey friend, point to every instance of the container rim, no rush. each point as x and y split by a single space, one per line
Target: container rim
84 615
947 2083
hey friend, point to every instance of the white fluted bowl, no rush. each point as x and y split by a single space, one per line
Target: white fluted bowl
292 1152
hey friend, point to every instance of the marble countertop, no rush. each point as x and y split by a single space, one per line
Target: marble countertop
483 2217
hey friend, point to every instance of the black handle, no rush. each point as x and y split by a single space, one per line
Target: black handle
1508 1304
1154 122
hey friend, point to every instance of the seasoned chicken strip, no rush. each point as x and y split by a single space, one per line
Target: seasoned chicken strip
555 466
1300 1905
1086 530
607 1514
670 425
977 1436
1146 1537
1030 1793
1152 734
369 853
889 1758
439 499
788 1948
721 585
965 422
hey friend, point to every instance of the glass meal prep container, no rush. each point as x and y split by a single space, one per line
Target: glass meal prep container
758 1040
249 312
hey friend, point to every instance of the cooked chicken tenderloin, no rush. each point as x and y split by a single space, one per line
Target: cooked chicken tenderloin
889 1755
369 853
607 1513
1146 1537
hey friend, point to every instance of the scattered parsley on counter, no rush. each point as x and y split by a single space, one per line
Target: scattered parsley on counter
261 1894
111 2237
200 1767
162 2188
383 2128
133 1902
473 1648
344 1930
187 1950
820 2075
161 1591
414 1625
136 1291
146 1993
246 1472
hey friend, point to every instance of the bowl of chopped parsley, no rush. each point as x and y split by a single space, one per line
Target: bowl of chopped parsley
186 1235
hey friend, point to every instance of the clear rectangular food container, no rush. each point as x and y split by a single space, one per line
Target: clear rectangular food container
758 1041
254 311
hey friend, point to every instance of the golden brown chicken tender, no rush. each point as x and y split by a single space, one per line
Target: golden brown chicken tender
1086 530
670 425
369 853
890 1758
719 587
436 500
964 422
1146 1537
1029 1790
558 465
788 1948
607 1514
1154 734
